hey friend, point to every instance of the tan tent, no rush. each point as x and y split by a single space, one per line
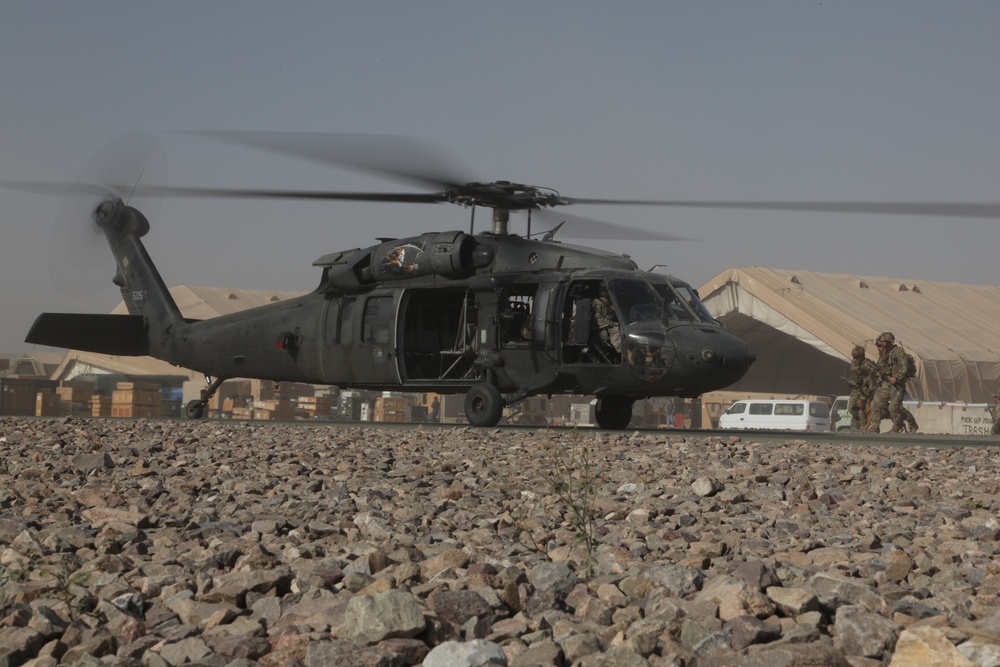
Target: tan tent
802 325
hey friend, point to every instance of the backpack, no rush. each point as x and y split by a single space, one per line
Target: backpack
911 365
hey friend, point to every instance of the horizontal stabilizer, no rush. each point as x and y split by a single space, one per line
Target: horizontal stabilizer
123 335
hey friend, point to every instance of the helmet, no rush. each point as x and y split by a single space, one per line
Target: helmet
886 337
858 351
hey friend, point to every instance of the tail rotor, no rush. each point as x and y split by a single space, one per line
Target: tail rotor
77 250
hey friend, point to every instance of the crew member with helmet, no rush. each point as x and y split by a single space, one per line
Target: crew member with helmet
604 322
893 373
863 381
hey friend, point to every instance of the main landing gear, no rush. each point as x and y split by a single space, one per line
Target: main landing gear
198 408
613 412
483 405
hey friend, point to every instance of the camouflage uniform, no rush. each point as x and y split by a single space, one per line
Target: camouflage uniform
605 323
887 403
863 382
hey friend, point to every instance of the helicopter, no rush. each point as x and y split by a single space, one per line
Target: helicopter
495 315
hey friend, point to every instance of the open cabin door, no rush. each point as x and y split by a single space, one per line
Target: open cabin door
438 335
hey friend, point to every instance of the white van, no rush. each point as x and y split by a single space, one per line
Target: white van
840 418
777 414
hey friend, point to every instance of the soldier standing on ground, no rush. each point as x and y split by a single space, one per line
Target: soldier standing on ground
863 382
893 373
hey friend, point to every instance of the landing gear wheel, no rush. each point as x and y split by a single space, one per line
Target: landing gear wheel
195 409
483 405
613 412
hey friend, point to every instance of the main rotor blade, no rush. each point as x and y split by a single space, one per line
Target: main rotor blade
111 190
578 227
937 209
402 158
254 193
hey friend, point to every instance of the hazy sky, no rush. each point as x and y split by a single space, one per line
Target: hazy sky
702 100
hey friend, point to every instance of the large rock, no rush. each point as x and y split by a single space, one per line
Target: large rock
735 598
394 613
475 653
865 634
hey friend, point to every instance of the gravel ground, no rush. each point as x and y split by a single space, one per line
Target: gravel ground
220 543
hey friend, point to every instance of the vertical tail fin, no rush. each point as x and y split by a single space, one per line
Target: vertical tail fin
142 287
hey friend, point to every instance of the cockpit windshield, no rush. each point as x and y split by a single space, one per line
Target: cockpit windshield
641 300
636 301
674 302
691 297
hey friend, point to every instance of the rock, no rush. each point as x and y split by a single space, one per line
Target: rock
555 577
835 591
746 630
706 487
394 613
793 601
475 653
926 645
863 633
735 598
457 607
813 654
225 543
327 653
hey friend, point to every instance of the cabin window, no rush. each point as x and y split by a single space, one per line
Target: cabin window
345 332
377 327
817 409
761 408
789 409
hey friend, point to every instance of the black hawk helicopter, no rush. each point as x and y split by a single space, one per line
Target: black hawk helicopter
495 315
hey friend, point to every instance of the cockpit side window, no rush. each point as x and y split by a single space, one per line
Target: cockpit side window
674 303
636 301
691 296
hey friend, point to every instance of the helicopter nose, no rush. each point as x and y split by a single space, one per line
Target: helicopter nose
714 358
729 354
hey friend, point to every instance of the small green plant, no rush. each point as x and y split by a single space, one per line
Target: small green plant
64 580
21 569
573 478
561 490
59 581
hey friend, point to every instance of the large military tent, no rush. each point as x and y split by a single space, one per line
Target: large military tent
802 326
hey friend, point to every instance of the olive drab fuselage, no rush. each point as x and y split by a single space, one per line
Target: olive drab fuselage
438 312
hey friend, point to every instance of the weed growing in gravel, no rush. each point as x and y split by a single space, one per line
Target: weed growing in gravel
574 478
560 490
59 581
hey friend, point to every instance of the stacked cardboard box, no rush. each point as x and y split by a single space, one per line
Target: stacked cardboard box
135 399
241 413
100 405
273 409
46 404
74 397
391 408
315 407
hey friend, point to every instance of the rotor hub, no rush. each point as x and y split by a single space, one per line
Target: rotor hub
503 195
106 212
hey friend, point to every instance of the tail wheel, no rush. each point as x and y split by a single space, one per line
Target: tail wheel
483 405
613 412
